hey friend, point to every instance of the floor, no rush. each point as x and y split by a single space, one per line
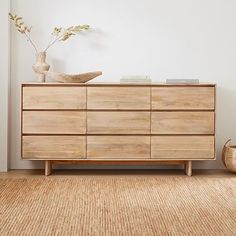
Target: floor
112 172
117 202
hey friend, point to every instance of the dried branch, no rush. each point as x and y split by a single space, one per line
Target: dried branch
22 28
60 34
64 34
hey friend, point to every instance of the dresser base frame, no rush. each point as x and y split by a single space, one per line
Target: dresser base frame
49 163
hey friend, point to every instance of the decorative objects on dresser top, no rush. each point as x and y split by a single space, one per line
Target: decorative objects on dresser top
136 79
118 123
182 81
59 35
66 78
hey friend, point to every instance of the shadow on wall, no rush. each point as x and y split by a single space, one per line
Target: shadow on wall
225 124
58 65
96 39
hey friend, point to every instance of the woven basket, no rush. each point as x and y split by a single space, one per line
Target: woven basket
229 156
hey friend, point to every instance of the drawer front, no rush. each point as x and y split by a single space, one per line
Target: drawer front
114 122
189 98
53 147
182 147
118 147
118 98
54 122
182 122
54 97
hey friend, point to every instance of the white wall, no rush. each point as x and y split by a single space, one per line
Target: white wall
160 38
4 83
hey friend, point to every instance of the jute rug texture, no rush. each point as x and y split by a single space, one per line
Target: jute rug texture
118 205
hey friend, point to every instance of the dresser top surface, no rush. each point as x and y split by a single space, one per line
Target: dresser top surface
118 84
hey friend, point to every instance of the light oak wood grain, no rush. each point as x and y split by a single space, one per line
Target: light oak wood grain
182 147
188 168
54 122
117 98
116 84
186 98
48 168
182 122
39 97
54 147
118 147
120 162
118 122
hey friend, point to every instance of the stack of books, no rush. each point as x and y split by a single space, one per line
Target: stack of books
136 79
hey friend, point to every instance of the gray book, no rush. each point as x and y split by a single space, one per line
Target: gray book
182 81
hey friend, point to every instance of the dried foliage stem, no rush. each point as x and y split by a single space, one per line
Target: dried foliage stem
60 34
32 43
22 28
53 42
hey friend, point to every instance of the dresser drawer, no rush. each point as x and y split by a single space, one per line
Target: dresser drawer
189 98
54 122
118 98
182 122
115 122
53 147
53 97
118 147
182 147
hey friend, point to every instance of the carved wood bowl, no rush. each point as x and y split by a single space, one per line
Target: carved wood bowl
66 78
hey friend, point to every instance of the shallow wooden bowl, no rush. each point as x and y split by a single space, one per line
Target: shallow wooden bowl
67 78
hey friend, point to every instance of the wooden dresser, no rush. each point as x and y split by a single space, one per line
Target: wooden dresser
118 123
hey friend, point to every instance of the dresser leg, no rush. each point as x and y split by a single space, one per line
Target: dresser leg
188 168
48 168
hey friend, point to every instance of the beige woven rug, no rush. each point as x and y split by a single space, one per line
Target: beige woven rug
118 205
